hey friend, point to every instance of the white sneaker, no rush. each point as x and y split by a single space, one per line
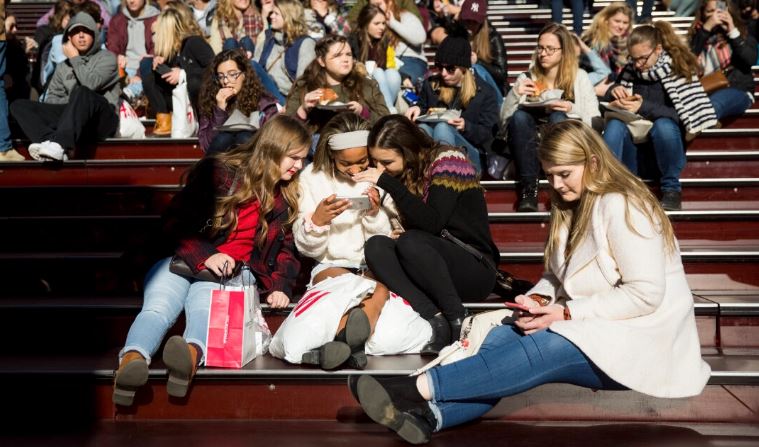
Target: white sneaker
34 150
51 150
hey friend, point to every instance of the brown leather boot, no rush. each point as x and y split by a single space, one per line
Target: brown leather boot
131 375
162 124
181 360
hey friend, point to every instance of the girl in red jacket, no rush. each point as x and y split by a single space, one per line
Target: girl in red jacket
239 207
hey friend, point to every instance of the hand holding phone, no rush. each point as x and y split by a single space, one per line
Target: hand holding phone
516 306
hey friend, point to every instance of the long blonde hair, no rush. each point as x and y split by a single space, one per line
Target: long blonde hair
572 142
448 94
293 18
568 65
481 43
598 36
256 165
684 63
173 25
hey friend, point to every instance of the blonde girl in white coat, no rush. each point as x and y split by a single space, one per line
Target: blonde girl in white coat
612 311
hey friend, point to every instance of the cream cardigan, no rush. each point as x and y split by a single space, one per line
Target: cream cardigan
342 242
584 107
631 307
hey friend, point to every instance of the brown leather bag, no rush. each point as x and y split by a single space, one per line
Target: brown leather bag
714 81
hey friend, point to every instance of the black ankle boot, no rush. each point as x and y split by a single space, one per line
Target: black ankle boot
441 335
528 195
396 403
356 333
329 356
456 326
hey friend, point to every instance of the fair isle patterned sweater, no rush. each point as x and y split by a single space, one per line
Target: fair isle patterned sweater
453 199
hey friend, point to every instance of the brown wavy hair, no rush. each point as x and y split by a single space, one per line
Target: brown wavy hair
365 17
314 76
258 175
418 149
565 78
226 16
684 63
294 20
250 94
572 142
341 123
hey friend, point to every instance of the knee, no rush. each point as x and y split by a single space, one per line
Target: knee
665 127
410 243
377 247
557 117
615 129
519 119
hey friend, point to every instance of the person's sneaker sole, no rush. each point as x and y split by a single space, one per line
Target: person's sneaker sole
377 404
357 328
353 386
34 150
176 357
133 376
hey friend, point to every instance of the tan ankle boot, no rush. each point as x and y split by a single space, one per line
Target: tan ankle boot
131 375
181 360
162 124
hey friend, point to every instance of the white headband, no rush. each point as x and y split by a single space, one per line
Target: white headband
347 140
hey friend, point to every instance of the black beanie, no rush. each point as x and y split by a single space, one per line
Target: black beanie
454 50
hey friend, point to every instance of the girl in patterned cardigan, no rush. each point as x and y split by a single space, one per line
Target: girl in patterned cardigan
435 188
236 208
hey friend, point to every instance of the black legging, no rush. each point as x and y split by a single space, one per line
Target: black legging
431 273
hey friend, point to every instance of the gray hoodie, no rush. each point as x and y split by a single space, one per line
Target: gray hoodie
136 44
96 70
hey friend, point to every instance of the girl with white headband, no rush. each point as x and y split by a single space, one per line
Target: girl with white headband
333 234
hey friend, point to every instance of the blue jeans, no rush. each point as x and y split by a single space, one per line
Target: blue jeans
245 43
268 82
523 140
730 102
5 131
668 149
445 133
483 73
578 9
414 69
166 295
224 141
133 90
508 363
389 81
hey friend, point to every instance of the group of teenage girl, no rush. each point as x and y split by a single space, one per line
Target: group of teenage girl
425 235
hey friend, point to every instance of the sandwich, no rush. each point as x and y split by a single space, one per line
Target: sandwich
328 95
436 110
540 87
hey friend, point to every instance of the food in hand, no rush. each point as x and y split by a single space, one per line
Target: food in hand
540 87
436 110
328 95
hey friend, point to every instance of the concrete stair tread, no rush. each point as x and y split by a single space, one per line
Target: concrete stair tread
727 367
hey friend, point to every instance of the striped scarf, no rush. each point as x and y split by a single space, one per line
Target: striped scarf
691 103
716 54
615 54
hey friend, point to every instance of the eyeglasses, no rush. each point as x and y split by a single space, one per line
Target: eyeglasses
640 60
549 50
231 76
448 68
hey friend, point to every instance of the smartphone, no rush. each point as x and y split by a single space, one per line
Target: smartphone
516 306
357 203
162 69
721 5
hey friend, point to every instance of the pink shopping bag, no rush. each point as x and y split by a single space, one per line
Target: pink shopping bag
231 337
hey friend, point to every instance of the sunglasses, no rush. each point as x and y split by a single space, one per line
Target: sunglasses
448 68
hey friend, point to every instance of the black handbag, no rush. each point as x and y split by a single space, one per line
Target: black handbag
179 267
506 285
